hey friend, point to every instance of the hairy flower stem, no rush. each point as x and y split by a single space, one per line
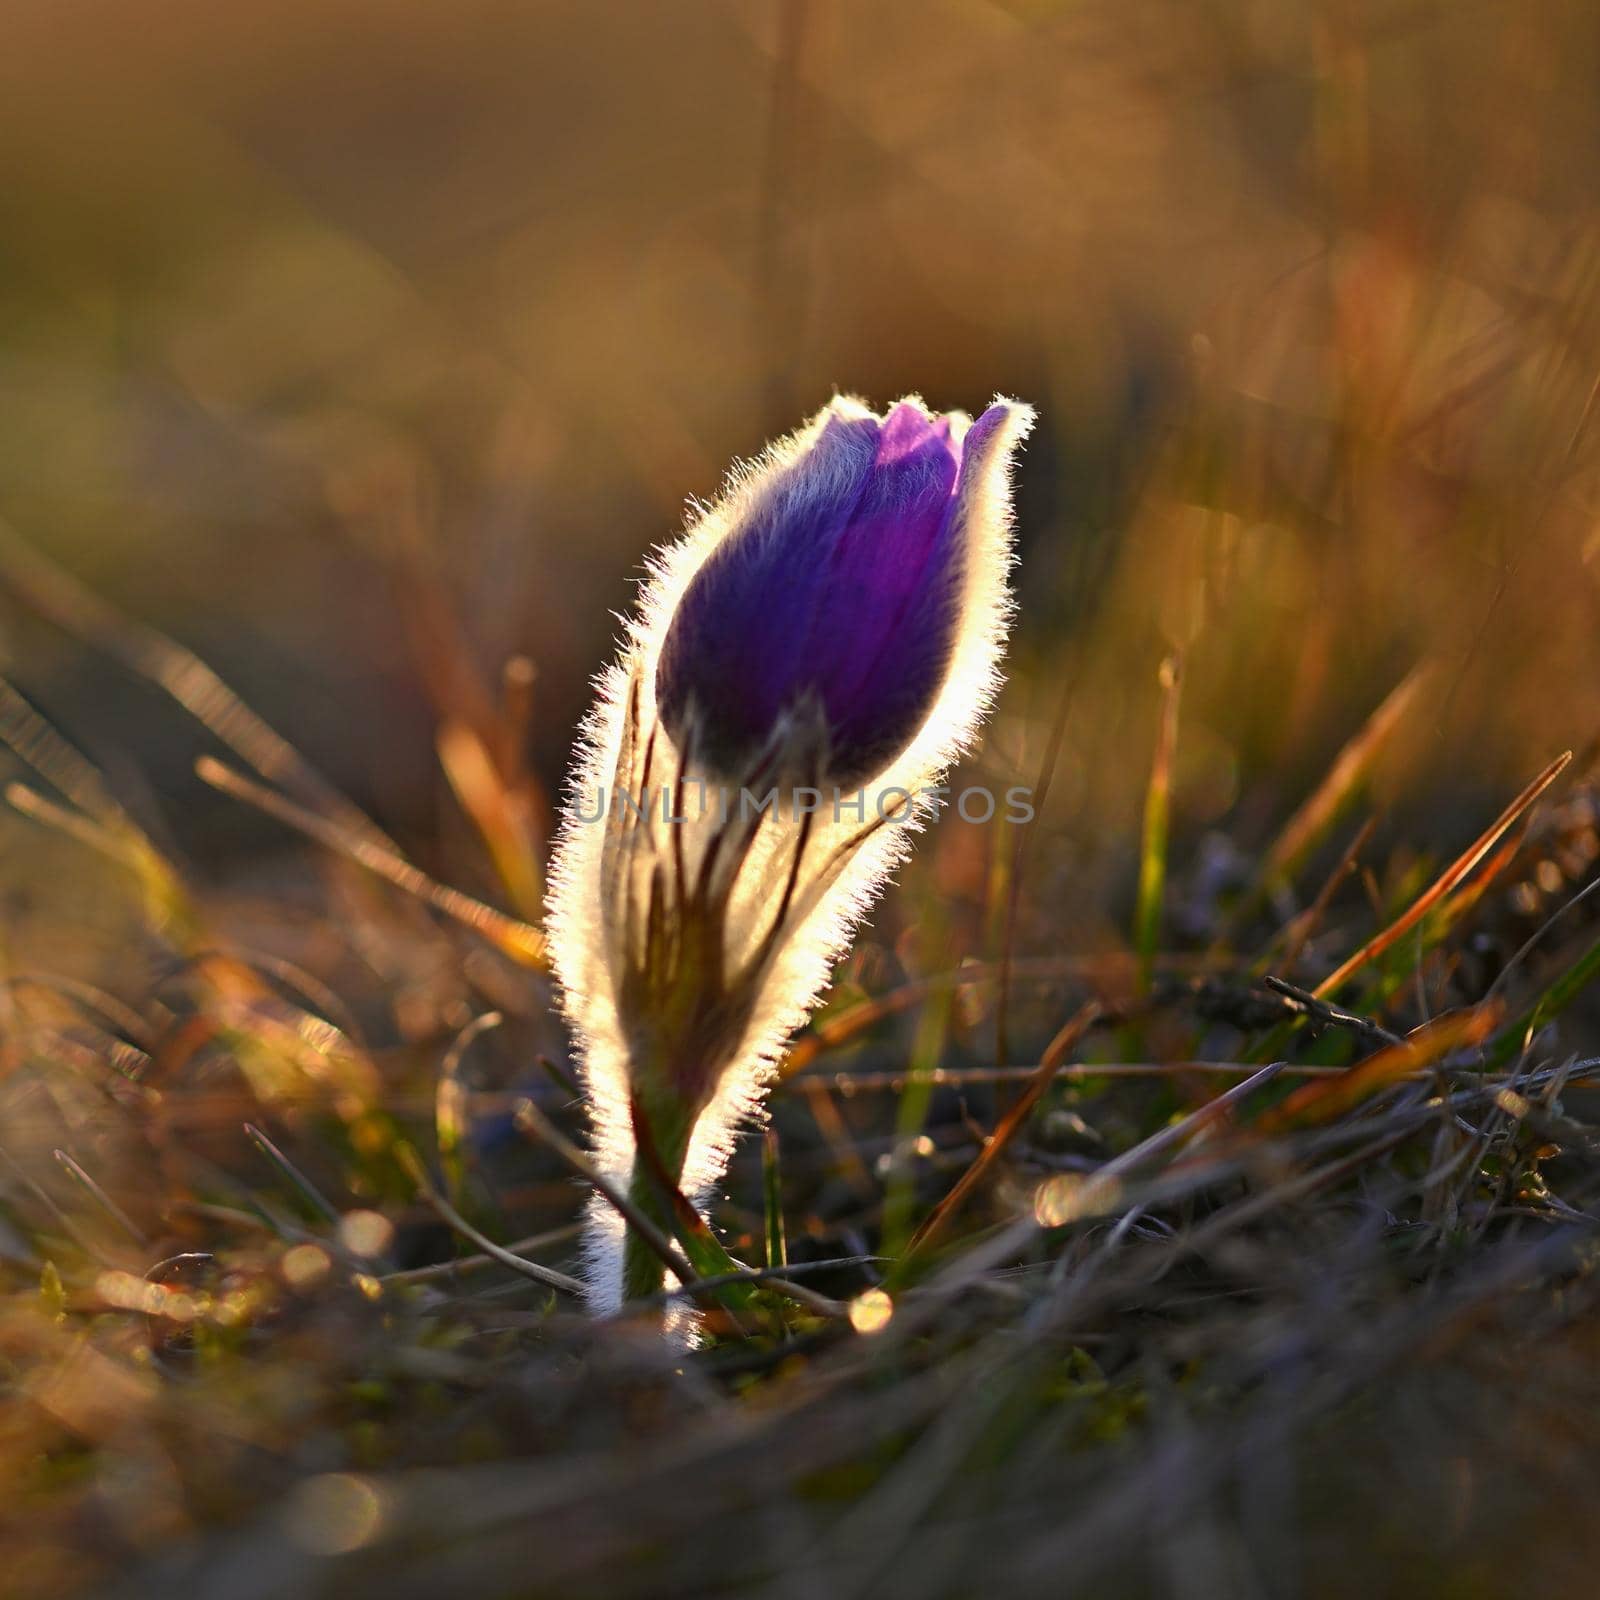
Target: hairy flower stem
661 1143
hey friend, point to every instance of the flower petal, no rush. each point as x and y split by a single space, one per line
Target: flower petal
738 641
881 644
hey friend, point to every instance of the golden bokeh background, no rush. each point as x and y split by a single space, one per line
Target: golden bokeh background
336 330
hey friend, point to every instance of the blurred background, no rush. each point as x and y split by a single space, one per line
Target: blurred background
364 346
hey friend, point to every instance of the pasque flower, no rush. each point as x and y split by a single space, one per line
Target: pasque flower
813 653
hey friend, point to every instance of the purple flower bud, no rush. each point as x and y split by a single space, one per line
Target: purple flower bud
839 615
837 598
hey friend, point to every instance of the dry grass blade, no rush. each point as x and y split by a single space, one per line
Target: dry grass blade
42 1195
1451 878
99 821
54 759
106 1203
1309 824
445 1270
1294 936
1055 1055
301 1183
1307 1004
105 1007
117 839
781 1279
1071 1197
856 1019
1181 1131
547 1276
831 1125
519 940
849 1084
59 597
29 803
497 811
1320 1102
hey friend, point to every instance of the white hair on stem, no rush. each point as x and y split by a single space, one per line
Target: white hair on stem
817 878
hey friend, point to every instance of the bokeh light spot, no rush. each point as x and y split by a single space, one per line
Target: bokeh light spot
870 1311
365 1233
333 1513
305 1265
